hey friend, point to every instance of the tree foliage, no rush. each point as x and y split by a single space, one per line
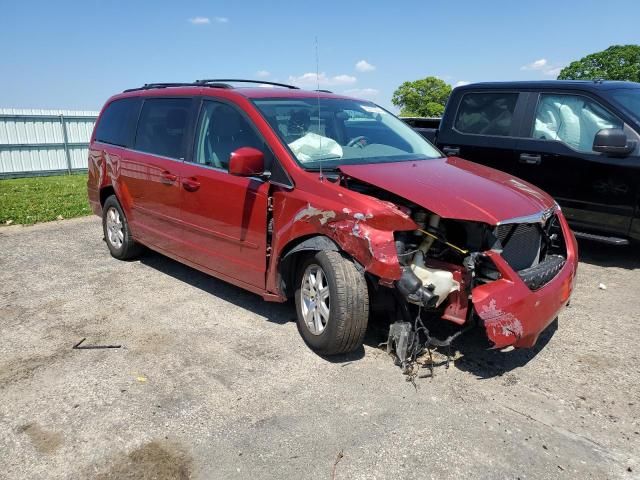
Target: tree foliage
618 62
422 98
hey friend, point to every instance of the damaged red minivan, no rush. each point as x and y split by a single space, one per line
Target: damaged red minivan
333 201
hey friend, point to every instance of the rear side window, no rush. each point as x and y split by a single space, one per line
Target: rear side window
118 122
162 128
486 113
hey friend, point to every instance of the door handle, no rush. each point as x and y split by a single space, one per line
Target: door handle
450 151
191 184
167 177
530 159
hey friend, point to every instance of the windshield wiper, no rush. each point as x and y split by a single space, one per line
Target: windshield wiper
324 159
324 169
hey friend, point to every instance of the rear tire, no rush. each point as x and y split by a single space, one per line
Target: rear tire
332 303
116 230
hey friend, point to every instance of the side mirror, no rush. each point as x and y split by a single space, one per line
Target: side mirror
246 162
613 141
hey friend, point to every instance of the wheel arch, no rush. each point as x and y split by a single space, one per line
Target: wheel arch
106 192
295 252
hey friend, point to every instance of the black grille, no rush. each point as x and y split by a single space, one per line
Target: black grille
520 244
541 274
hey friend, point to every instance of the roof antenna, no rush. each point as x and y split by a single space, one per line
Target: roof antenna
321 178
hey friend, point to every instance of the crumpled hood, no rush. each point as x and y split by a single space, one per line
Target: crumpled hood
455 188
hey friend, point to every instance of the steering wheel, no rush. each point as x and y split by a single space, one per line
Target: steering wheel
360 141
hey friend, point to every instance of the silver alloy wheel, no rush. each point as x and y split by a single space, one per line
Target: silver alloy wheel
315 302
115 229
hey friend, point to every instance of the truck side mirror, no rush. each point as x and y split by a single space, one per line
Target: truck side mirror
613 141
246 162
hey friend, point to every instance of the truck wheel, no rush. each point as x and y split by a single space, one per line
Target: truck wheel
332 303
116 231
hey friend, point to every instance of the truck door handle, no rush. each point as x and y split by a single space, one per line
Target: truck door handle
450 151
530 159
167 177
191 184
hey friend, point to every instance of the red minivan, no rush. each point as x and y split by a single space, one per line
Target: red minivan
333 201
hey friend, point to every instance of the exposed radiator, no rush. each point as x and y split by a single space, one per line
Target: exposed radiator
521 244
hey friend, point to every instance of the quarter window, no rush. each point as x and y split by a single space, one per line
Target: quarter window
118 122
571 119
486 113
222 130
162 128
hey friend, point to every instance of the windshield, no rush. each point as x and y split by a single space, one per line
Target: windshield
335 132
629 99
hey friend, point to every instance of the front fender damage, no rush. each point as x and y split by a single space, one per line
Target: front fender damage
452 271
366 236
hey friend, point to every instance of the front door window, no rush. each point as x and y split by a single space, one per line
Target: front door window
222 130
571 119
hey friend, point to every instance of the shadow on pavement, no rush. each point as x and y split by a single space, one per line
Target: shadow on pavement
345 358
603 255
280 313
484 363
274 312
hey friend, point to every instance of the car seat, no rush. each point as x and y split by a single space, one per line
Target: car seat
547 120
569 129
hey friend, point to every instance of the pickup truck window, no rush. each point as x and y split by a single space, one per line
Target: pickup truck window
333 132
628 99
571 119
486 113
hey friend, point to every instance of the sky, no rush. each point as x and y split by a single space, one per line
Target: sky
75 55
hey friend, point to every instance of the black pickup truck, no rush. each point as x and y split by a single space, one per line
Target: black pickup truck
578 140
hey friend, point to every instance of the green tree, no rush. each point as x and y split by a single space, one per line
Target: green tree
422 98
618 62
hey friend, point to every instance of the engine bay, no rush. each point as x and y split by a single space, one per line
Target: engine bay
444 259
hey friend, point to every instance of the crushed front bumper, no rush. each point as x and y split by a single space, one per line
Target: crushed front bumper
512 313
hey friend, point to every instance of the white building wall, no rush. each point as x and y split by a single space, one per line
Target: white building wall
32 141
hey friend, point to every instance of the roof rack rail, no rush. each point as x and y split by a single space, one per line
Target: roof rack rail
211 83
148 86
223 81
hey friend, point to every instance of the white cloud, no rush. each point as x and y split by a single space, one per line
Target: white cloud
461 83
262 74
364 66
311 80
362 92
543 66
221 19
343 79
537 65
200 20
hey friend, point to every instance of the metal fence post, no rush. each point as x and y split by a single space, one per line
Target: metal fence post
66 142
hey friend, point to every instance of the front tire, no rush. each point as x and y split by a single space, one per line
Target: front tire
117 233
332 303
